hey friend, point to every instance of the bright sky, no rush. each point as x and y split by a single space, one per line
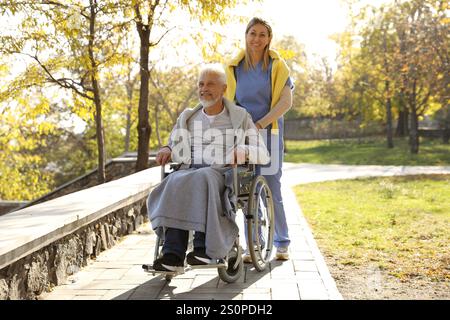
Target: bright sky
311 22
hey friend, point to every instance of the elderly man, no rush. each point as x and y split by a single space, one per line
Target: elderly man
206 140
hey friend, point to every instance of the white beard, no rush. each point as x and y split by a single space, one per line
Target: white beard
209 103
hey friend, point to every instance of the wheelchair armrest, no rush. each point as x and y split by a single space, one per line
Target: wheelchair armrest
173 166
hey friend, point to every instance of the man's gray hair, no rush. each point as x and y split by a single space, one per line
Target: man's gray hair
215 68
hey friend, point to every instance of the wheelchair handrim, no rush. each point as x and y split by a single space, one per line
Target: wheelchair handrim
262 253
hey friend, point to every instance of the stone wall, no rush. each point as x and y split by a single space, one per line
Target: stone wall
50 266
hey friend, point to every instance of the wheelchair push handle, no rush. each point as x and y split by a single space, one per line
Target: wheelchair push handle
163 171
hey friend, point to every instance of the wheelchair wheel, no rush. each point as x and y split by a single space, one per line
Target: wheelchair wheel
233 272
260 223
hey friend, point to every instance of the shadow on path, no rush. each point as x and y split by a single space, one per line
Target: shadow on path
180 287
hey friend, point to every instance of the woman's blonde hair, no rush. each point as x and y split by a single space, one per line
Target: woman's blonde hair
248 63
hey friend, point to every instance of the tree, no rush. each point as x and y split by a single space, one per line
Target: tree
121 94
378 51
294 54
174 90
401 62
80 39
22 171
441 46
148 14
350 79
415 21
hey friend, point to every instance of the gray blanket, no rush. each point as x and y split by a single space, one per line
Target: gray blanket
200 200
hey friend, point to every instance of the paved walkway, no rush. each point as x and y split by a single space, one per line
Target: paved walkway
294 174
117 273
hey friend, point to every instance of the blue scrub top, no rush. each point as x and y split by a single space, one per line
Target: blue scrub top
254 89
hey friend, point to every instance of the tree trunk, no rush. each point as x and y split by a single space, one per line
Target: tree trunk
128 129
445 120
100 135
446 129
387 92
129 88
414 134
390 140
96 90
144 128
414 127
402 123
402 127
157 125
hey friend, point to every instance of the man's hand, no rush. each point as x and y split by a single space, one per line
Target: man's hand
240 155
163 156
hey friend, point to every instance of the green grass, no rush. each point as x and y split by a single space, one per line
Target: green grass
368 152
401 224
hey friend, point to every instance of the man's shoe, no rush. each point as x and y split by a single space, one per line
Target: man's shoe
199 258
282 253
169 262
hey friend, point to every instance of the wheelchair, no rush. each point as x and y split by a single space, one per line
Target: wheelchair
254 198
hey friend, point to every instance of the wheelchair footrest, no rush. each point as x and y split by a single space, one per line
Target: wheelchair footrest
219 264
149 268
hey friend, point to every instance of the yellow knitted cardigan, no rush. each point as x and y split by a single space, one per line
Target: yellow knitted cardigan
280 74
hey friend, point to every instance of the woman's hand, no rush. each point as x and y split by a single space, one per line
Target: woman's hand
258 126
163 156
